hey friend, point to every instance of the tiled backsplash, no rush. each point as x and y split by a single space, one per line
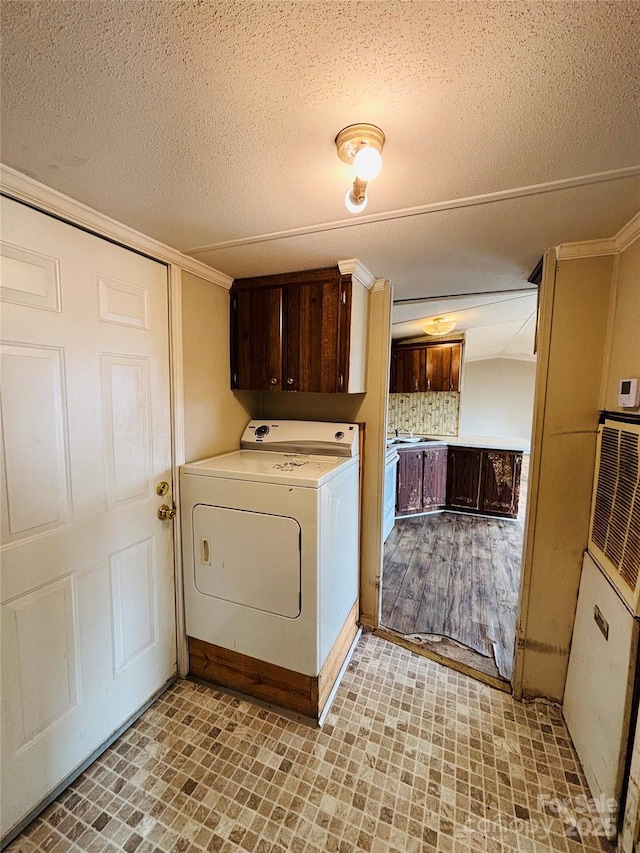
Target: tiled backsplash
429 413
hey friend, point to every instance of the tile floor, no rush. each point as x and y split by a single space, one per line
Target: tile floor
413 758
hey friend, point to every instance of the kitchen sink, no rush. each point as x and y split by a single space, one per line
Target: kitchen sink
408 439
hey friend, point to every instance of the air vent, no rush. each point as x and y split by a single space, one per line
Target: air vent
615 520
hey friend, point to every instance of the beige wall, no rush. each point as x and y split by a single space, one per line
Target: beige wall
624 352
574 305
214 417
497 398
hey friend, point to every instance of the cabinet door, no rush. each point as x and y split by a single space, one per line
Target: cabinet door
409 481
500 482
456 360
443 367
316 336
408 370
256 339
436 379
434 478
463 477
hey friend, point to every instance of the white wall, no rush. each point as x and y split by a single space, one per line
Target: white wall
497 398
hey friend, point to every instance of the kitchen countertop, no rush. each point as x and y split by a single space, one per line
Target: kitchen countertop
490 442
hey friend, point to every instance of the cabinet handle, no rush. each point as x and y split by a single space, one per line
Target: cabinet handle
340 381
290 381
428 384
415 385
274 381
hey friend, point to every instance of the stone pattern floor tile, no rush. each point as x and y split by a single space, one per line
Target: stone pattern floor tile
412 758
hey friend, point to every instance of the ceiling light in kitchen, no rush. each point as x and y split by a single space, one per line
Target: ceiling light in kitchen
439 326
360 145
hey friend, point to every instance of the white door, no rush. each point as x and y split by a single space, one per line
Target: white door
87 593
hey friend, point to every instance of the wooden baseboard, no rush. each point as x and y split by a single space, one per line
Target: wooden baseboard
303 694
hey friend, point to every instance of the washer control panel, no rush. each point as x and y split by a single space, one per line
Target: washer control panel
311 437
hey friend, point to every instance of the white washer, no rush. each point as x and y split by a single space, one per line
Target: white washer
271 542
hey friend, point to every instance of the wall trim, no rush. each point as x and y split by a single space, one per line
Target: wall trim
627 235
23 188
423 209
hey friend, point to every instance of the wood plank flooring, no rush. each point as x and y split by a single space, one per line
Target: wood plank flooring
456 576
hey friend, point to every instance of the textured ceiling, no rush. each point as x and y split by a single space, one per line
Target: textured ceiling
211 125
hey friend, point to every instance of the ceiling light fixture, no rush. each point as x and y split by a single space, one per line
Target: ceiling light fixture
439 326
360 145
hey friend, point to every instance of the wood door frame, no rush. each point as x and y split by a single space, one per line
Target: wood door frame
40 197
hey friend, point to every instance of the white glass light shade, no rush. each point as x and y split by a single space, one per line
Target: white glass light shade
439 326
352 204
367 163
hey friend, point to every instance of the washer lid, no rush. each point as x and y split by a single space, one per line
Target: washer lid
261 466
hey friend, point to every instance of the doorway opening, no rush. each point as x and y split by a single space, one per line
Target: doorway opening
452 559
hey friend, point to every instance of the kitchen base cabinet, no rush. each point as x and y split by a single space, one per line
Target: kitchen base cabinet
463 478
410 471
501 482
466 479
422 480
434 478
484 481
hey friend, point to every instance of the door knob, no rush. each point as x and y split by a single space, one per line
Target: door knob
166 513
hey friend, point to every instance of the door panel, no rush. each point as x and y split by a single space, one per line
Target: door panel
256 331
249 558
314 323
88 597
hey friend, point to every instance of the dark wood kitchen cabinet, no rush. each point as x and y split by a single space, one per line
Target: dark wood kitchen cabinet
434 478
298 332
425 367
422 479
484 481
410 472
501 482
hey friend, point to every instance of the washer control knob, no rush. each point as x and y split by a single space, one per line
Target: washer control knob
339 435
262 430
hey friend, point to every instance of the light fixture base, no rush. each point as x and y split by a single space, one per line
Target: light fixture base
356 136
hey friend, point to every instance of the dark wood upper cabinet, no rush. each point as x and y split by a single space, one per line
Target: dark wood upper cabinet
257 338
408 370
425 367
295 332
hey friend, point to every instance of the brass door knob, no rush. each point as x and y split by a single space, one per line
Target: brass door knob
166 513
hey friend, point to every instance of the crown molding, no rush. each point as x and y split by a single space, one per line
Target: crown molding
23 188
606 246
628 234
586 249
379 284
354 268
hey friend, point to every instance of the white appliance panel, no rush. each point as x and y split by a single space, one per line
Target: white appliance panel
266 467
600 682
338 575
248 558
